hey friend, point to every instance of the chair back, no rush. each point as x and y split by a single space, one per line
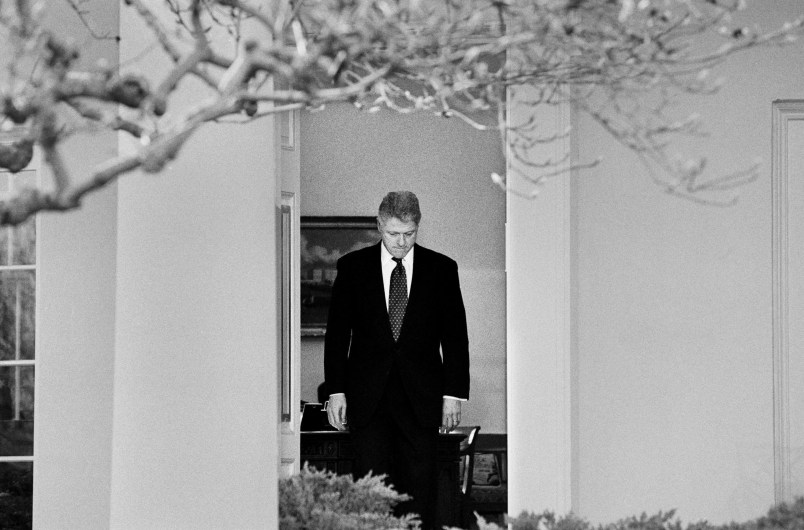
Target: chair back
467 455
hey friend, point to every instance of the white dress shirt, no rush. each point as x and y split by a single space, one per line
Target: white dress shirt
388 266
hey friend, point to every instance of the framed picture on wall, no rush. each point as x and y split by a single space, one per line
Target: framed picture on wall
323 241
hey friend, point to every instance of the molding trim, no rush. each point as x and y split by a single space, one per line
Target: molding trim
784 111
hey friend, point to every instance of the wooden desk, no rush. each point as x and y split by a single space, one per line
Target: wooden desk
491 501
333 451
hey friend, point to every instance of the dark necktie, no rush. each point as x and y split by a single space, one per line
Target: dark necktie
397 297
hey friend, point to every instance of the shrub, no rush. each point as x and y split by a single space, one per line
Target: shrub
322 500
781 517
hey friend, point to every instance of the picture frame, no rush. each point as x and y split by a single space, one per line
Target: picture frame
323 241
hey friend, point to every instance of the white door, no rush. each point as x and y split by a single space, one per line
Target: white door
290 337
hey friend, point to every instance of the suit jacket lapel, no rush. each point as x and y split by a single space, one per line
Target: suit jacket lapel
419 273
416 296
418 288
376 290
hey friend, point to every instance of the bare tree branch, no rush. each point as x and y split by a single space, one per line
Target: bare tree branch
620 61
82 15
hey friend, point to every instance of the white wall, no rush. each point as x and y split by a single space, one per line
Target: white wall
350 160
674 314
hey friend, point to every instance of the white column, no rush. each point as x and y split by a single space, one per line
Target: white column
195 408
75 320
75 356
538 324
195 416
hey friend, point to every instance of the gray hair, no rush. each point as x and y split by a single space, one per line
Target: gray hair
404 205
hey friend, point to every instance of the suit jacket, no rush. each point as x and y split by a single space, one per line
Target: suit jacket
359 348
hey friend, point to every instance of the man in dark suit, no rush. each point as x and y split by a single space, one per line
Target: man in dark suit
397 351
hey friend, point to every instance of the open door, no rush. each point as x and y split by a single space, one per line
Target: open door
289 363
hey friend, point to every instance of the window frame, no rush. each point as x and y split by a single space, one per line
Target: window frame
32 166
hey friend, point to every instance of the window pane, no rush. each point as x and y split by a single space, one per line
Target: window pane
5 237
24 236
5 232
16 494
17 310
24 243
16 410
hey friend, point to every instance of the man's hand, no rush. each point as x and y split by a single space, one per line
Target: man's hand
451 415
336 411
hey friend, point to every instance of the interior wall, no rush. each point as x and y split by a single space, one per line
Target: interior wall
75 320
673 301
350 160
